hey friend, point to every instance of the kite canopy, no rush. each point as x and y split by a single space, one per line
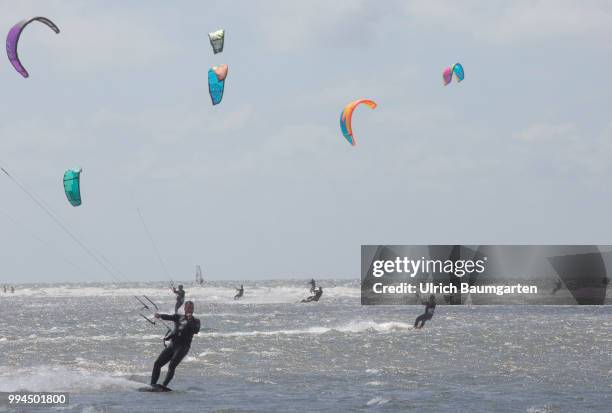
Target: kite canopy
346 117
458 72
216 40
584 275
72 186
456 69
12 40
447 75
220 71
216 82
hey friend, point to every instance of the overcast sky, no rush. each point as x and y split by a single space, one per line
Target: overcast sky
264 185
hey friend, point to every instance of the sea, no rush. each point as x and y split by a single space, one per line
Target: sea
268 352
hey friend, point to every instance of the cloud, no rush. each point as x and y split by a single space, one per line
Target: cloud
93 38
547 132
291 26
270 162
565 149
112 43
517 21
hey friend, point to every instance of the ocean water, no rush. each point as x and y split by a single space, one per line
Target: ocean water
269 353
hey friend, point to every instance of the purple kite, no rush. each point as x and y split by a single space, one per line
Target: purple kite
13 38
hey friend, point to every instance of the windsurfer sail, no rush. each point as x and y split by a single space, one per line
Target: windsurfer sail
198 278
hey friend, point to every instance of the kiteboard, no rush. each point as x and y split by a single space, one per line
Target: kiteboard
156 388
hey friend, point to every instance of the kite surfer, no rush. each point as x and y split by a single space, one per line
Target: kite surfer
240 292
180 297
185 326
313 285
318 292
430 306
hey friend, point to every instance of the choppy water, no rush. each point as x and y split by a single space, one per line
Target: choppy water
267 353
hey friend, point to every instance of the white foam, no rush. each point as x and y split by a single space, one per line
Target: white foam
94 409
356 326
361 326
101 337
63 379
352 327
542 409
211 294
377 401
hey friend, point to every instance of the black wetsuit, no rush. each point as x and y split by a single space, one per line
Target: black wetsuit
180 299
179 347
240 293
428 315
318 293
313 285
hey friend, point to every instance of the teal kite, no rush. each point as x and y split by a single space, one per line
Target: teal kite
72 186
216 82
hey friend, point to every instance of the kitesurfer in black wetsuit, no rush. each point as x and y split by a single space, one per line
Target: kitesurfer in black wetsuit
5 288
313 285
180 297
317 294
185 326
12 289
240 292
430 306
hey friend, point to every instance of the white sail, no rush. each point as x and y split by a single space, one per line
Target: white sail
199 278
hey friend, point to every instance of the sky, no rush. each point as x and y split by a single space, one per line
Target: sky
264 186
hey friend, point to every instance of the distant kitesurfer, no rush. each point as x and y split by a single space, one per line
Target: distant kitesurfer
180 297
430 306
317 294
5 288
313 285
240 292
185 326
12 289
558 286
